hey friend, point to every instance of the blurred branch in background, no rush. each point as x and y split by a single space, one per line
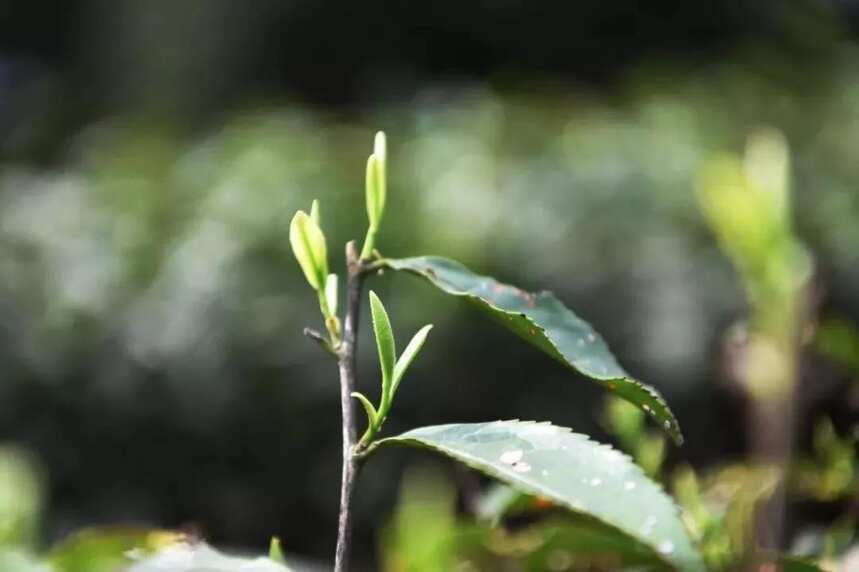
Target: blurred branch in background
748 205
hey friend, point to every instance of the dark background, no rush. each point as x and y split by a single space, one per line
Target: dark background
150 320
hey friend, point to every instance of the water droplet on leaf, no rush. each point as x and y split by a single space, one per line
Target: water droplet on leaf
511 457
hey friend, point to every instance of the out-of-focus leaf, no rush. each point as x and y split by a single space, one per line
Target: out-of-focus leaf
275 551
575 544
833 471
731 496
421 537
498 501
20 498
16 561
184 557
786 563
545 322
560 542
587 478
839 340
625 421
107 549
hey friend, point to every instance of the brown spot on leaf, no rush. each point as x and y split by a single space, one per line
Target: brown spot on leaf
543 503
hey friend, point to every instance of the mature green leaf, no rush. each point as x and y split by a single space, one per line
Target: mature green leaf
587 478
409 354
542 320
384 343
308 245
201 558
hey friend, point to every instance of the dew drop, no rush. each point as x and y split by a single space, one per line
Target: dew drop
629 485
544 472
591 338
667 424
521 467
511 457
596 481
666 547
648 525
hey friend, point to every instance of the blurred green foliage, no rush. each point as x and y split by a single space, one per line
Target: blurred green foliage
150 311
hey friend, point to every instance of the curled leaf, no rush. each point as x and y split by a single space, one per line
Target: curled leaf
372 414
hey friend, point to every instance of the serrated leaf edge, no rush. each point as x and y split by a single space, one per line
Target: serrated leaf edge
674 429
480 465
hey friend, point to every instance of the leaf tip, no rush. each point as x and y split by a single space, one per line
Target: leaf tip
314 212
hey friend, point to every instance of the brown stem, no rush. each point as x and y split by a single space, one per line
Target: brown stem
346 361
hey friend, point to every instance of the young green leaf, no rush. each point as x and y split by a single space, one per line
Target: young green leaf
331 293
409 354
542 320
314 213
377 185
385 344
375 188
573 472
308 245
372 414
380 147
275 551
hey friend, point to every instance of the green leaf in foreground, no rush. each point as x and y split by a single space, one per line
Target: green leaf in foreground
542 320
591 480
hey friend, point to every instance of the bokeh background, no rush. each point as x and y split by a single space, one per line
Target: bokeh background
153 153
